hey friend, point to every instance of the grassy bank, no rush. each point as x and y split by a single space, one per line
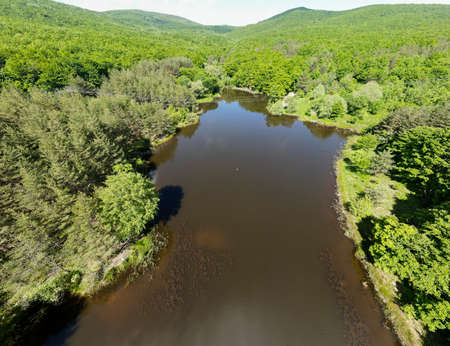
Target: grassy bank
354 206
393 196
304 109
208 99
31 326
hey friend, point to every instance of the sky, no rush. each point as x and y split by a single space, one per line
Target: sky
231 12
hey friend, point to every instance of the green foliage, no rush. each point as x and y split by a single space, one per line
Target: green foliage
266 71
382 163
148 82
318 92
347 68
370 91
127 202
361 160
423 161
56 150
420 257
407 118
330 106
45 43
411 243
367 142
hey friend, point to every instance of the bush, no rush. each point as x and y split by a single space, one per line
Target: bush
367 142
211 84
371 91
330 106
361 160
318 92
276 108
367 97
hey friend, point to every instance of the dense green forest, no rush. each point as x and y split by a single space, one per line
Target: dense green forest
85 95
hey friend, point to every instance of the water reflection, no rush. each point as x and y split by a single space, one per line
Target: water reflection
252 103
319 130
189 131
285 121
165 151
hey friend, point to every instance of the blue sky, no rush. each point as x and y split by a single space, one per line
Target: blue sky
233 12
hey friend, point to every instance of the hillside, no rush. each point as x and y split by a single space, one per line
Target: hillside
304 24
161 22
44 43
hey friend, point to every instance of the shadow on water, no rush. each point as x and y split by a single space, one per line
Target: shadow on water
170 203
44 319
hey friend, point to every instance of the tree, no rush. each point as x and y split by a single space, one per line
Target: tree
127 202
419 256
422 157
382 163
330 106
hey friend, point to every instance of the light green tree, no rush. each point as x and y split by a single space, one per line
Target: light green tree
127 202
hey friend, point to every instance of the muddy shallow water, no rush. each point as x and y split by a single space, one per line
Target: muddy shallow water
255 254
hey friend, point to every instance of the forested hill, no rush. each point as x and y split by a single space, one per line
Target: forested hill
160 21
299 22
45 43
55 13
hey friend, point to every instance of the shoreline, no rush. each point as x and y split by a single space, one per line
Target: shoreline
130 258
248 90
394 318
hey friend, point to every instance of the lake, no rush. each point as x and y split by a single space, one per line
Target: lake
255 254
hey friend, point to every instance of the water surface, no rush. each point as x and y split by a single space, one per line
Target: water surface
255 256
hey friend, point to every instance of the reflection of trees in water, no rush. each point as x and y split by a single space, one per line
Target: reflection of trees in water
319 130
209 106
324 132
165 152
285 121
189 131
248 101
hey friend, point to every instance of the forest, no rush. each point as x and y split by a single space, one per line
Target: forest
85 96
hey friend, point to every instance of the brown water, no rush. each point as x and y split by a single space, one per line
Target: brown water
255 257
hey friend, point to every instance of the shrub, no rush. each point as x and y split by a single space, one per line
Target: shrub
330 106
366 142
318 92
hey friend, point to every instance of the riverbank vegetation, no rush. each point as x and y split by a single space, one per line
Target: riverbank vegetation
73 192
394 188
84 96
